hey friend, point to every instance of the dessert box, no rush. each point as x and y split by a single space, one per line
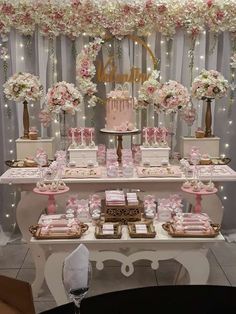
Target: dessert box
108 231
141 230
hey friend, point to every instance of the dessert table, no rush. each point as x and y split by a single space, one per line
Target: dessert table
187 251
31 205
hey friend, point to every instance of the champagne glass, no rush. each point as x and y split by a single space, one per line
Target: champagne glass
76 290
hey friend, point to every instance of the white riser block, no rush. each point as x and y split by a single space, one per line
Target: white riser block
26 147
206 145
155 156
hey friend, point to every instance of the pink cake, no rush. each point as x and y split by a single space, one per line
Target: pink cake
120 111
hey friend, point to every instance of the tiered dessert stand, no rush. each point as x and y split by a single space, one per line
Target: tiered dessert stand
198 197
51 207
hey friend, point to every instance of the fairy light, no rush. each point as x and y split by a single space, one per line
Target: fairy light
230 122
21 45
32 105
111 140
202 57
148 45
11 151
7 215
13 205
153 117
10 140
22 58
226 145
196 68
84 117
221 188
148 69
197 42
84 34
225 198
135 43
162 42
57 133
6 105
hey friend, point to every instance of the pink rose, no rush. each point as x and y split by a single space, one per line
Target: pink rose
150 89
84 72
220 15
209 3
162 8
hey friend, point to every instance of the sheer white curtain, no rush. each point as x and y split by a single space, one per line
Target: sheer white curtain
54 60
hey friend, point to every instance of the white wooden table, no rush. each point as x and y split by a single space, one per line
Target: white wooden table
190 252
31 205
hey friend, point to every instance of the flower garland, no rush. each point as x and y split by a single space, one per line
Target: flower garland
147 91
85 70
23 87
120 18
209 84
171 97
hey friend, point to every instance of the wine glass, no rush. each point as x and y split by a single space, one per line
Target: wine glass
76 290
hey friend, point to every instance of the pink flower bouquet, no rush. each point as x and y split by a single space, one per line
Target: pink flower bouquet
147 91
23 87
209 84
171 97
63 96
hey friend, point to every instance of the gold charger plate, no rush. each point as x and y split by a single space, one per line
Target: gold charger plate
117 232
168 227
151 233
36 232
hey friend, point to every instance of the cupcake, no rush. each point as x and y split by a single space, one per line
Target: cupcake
33 133
187 185
199 133
205 159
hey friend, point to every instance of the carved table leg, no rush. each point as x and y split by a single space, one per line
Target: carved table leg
197 265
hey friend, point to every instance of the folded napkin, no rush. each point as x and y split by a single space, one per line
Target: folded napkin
76 269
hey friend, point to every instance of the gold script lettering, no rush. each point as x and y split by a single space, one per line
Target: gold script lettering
108 73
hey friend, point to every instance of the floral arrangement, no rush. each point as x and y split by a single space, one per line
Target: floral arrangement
171 97
209 84
233 58
23 87
189 115
147 91
85 69
74 17
63 96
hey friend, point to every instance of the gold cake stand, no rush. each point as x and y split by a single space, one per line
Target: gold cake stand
119 136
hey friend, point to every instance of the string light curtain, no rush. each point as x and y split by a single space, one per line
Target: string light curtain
54 59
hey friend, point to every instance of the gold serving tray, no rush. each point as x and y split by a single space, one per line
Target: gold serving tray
169 227
20 164
36 232
151 233
117 232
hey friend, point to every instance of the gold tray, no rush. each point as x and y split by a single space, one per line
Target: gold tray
36 232
117 232
151 233
20 164
168 227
